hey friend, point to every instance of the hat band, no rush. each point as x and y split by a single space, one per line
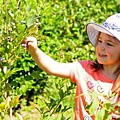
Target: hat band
111 26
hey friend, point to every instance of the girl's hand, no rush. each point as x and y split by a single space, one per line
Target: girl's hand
116 86
30 43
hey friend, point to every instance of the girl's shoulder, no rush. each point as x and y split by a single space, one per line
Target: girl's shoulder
86 63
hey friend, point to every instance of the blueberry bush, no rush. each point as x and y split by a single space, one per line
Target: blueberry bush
60 28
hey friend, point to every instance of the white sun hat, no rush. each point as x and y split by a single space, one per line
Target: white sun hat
111 27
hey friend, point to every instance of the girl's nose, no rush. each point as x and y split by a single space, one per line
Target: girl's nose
102 46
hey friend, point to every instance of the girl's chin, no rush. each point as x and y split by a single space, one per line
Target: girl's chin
100 62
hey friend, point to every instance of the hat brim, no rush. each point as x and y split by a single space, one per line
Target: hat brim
92 31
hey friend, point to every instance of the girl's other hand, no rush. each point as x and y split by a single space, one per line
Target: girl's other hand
116 85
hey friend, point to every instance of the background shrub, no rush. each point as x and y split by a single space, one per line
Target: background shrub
60 28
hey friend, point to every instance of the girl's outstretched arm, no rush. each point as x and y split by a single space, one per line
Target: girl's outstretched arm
45 62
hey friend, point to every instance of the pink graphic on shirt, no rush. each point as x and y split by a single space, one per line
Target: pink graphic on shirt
90 85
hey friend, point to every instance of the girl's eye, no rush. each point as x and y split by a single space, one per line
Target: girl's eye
109 44
100 41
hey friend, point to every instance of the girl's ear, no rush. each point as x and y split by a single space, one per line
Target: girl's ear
116 85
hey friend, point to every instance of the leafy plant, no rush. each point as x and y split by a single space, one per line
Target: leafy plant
102 109
59 27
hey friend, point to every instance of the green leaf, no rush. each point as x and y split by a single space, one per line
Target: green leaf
93 107
36 75
9 73
28 8
61 93
28 77
100 114
31 20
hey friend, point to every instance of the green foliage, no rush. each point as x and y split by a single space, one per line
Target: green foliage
59 27
102 109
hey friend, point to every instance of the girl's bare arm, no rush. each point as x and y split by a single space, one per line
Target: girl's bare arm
45 62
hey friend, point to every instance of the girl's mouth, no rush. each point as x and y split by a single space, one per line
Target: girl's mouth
102 55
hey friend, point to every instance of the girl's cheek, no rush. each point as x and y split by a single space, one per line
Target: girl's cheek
96 48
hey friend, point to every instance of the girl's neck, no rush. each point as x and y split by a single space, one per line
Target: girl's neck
110 72
109 75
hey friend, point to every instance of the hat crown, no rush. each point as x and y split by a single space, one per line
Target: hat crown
113 22
111 27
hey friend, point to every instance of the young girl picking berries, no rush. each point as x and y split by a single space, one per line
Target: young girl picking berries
101 76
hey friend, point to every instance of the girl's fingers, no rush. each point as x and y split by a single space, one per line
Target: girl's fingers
24 46
29 39
117 89
26 42
116 86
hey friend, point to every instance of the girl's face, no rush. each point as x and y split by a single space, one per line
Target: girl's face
108 50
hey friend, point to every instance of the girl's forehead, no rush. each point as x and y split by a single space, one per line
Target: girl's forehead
109 37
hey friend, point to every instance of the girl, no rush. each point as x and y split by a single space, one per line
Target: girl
101 76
